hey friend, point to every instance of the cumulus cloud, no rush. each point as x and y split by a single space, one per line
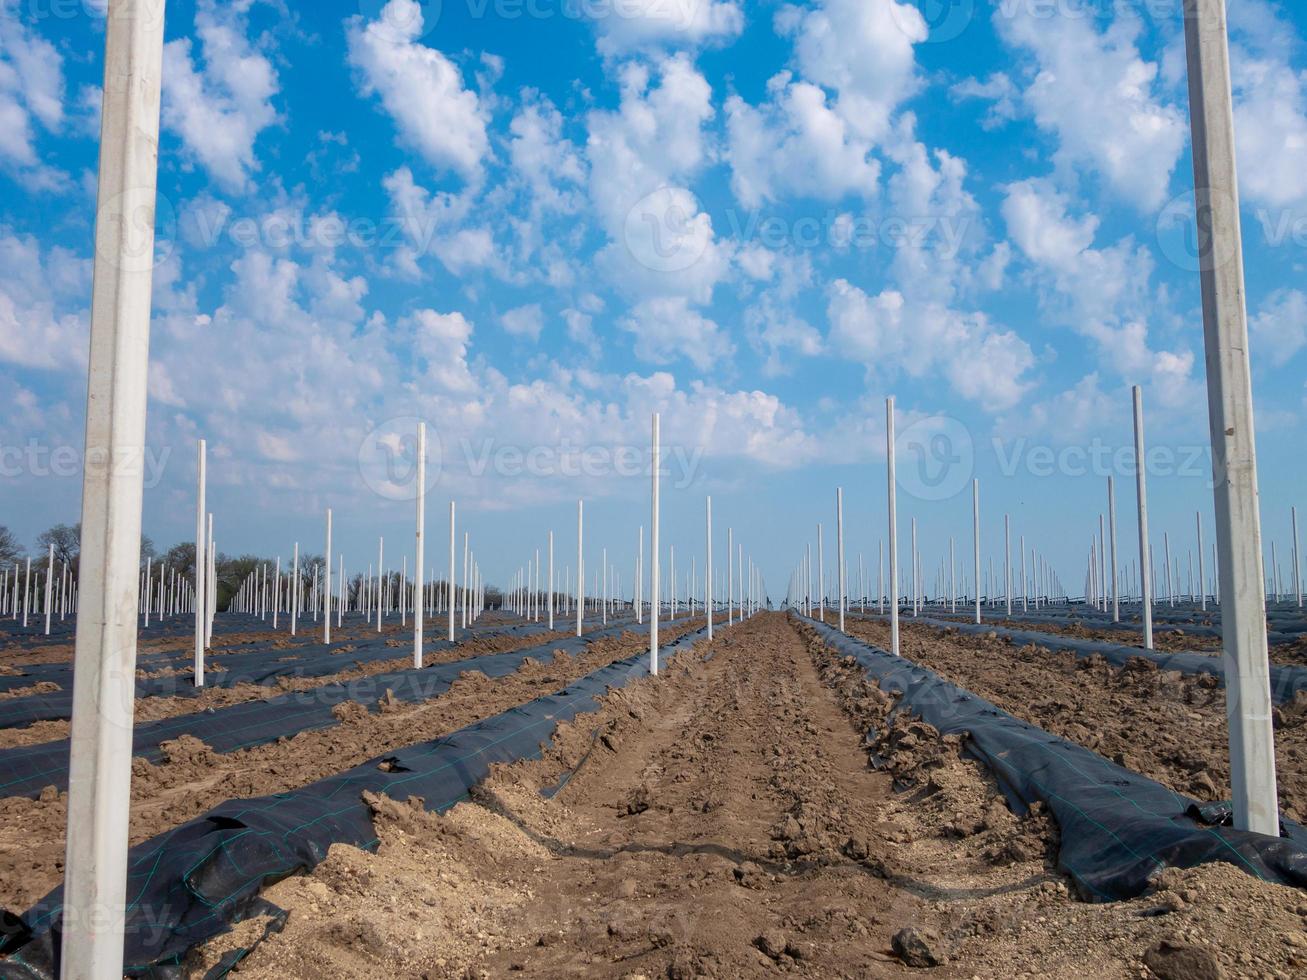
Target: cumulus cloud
42 321
420 88
1103 101
629 25
892 335
666 328
219 101
1279 328
31 93
1102 293
863 51
524 321
795 144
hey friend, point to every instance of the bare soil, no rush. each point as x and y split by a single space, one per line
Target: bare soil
1166 725
193 778
722 821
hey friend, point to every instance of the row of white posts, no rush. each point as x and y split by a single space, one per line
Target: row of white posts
104 675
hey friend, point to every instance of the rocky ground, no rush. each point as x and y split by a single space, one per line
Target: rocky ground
723 821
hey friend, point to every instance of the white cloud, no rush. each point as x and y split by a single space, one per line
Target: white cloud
1102 293
544 158
41 324
863 51
662 251
31 91
627 25
219 109
666 328
1270 110
524 321
795 144
998 90
1102 100
421 89
1037 220
890 334
1279 329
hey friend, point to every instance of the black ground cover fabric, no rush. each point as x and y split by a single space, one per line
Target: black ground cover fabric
1118 828
260 664
26 770
1285 681
191 883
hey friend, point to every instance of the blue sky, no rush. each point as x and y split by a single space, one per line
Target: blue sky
534 224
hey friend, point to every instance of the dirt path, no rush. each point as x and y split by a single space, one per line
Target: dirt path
722 822
1164 724
193 779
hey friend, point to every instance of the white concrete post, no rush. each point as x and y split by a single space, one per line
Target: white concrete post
708 574
49 591
326 586
1202 559
201 551
551 581
295 590
821 574
975 525
1230 411
654 556
580 566
449 597
1141 491
1111 516
839 531
1297 562
104 672
419 560
890 450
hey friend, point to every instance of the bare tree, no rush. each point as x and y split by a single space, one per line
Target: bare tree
10 550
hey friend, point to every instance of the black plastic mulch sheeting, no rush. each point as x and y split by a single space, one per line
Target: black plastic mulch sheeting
1285 681
260 666
1119 830
26 770
192 883
1098 621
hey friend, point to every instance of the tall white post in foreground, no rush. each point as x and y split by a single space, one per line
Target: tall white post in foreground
104 672
551 581
326 586
975 526
893 530
1297 562
708 574
453 551
1230 411
580 565
419 562
201 551
1141 491
839 530
1111 517
654 571
49 590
